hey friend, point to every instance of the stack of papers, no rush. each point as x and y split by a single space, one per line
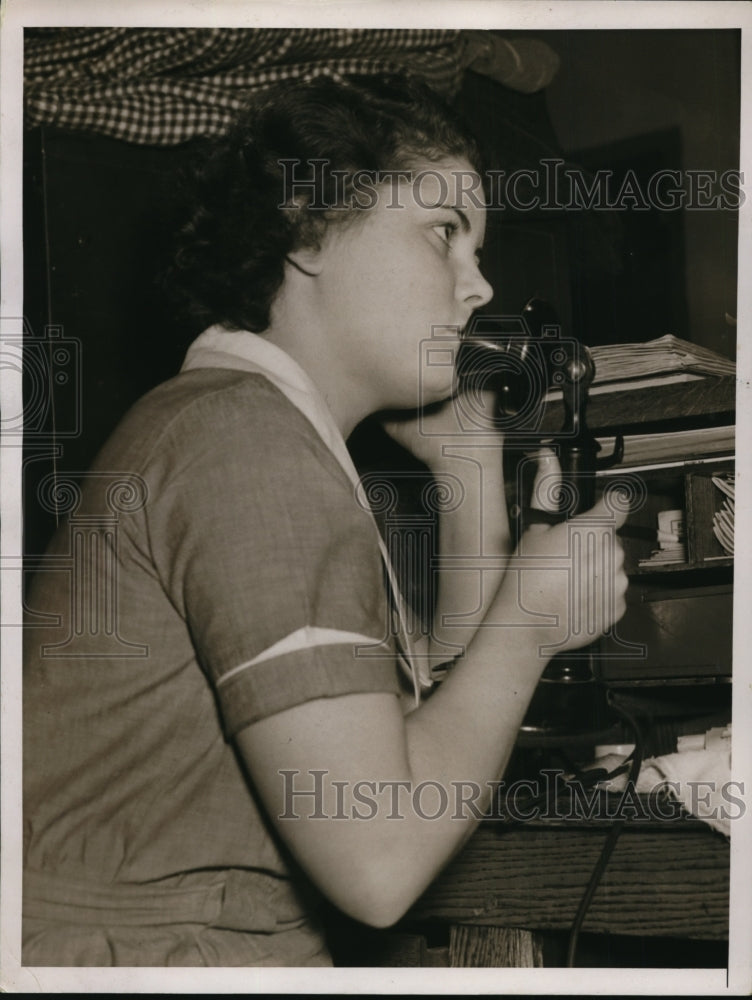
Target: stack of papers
676 553
723 519
670 448
668 552
663 356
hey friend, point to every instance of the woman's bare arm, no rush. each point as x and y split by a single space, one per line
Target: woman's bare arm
387 810
473 524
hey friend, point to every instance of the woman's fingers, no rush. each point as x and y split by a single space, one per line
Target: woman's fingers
573 574
547 482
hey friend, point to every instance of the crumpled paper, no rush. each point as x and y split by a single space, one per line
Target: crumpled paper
698 779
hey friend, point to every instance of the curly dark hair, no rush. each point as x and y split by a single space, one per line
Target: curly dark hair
251 202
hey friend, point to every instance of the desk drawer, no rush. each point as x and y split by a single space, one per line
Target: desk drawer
670 633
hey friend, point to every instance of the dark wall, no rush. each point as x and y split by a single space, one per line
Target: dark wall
525 251
623 103
673 99
97 219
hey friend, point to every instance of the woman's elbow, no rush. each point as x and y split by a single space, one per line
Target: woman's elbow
377 910
374 895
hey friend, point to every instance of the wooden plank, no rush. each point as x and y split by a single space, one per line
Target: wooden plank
663 882
494 947
713 395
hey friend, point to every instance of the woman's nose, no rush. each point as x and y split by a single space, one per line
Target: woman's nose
475 290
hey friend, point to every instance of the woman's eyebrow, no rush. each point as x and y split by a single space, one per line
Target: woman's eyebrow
464 221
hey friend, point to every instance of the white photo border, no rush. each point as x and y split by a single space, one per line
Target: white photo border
492 14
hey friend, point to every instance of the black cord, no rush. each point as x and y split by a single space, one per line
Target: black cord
48 281
613 834
568 778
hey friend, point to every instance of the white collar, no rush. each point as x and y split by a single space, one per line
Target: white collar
241 349
221 348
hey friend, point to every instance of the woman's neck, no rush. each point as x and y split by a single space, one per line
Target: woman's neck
297 329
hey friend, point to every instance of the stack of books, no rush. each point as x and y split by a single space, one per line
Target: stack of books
662 361
623 368
671 448
658 359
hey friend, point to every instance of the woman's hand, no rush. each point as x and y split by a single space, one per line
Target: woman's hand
566 581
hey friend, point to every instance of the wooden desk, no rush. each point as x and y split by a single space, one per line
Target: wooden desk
699 399
660 881
494 904
668 880
663 880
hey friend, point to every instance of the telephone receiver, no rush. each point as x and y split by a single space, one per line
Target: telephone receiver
522 364
522 358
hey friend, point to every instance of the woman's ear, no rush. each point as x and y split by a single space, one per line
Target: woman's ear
308 260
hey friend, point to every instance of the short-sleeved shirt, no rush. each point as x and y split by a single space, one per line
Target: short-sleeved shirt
230 575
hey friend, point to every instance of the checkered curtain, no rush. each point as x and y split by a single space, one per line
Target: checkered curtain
163 86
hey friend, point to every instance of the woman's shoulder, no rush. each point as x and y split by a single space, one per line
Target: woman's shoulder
202 389
208 411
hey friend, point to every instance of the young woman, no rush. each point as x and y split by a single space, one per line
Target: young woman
247 723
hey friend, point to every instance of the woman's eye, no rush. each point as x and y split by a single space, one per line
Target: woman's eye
446 231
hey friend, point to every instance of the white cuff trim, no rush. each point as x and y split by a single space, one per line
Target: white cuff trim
304 638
